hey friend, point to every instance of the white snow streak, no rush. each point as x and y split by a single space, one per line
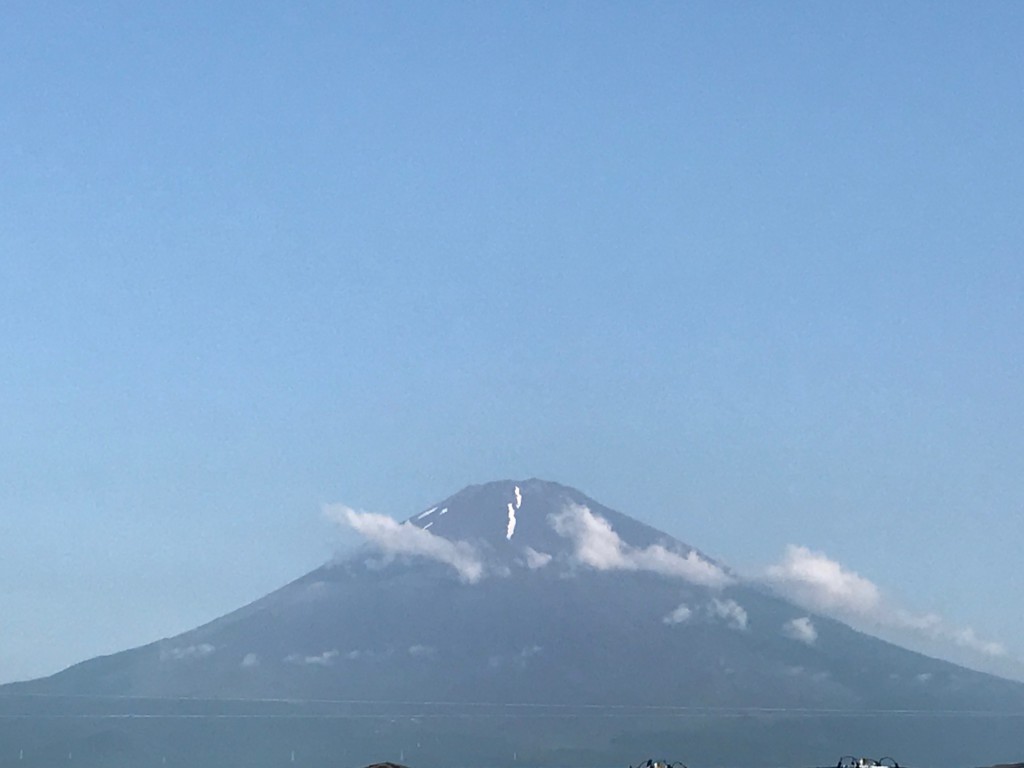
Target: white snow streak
519 498
511 522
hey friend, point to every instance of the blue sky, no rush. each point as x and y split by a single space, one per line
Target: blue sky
753 273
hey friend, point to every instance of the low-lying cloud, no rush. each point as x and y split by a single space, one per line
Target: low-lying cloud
535 559
729 611
325 659
802 630
396 538
250 660
597 545
818 583
188 652
966 637
680 615
822 584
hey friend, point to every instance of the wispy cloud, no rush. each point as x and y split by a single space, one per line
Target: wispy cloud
818 583
822 584
966 637
396 538
422 651
597 545
680 615
801 629
731 612
200 651
535 559
325 659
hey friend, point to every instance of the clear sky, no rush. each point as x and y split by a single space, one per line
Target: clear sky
751 272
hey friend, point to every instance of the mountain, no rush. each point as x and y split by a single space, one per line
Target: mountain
527 619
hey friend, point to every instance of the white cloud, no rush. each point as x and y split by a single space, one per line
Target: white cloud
801 629
927 623
251 660
967 638
407 539
819 583
679 615
200 651
325 659
597 545
823 584
730 611
535 559
422 651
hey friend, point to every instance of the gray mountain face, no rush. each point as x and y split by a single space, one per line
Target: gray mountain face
525 620
546 621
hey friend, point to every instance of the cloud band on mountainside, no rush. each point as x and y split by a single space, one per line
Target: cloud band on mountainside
819 583
396 538
822 584
596 544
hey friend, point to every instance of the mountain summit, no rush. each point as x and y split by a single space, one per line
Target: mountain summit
499 527
530 594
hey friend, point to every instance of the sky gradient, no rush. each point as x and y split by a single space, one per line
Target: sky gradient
751 273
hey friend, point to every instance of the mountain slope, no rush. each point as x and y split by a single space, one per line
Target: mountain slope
542 625
518 622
